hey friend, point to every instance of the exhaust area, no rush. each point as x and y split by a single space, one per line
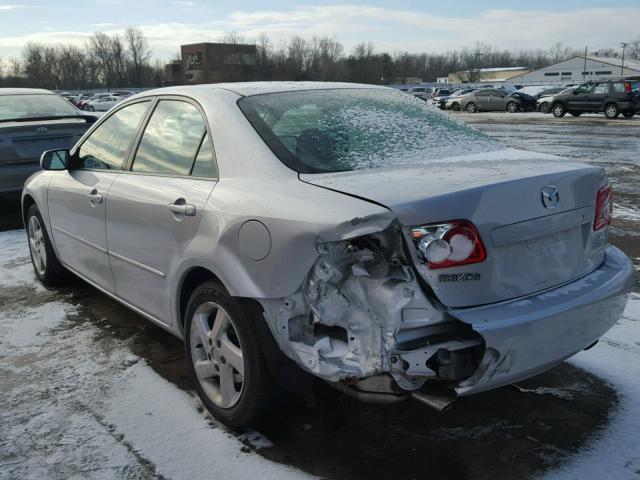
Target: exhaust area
437 400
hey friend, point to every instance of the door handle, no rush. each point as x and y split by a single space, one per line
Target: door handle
182 208
94 196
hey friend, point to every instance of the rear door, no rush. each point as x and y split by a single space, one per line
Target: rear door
77 198
498 100
155 206
483 100
595 100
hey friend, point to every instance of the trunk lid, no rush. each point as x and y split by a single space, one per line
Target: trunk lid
23 142
529 247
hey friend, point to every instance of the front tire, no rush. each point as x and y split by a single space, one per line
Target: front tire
611 111
558 110
512 107
46 265
628 114
544 107
471 107
455 107
225 359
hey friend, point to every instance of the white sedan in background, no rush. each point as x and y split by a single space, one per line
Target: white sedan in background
103 104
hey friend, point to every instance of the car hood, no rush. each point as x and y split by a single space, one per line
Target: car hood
422 191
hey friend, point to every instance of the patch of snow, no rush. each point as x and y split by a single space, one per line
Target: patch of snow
15 261
625 213
614 453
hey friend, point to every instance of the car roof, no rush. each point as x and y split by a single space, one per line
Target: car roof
25 91
247 89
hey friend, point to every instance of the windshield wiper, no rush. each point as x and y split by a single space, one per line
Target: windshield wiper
87 118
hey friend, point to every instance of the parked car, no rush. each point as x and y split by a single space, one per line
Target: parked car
286 254
439 96
452 102
89 103
103 104
489 99
543 103
79 100
32 121
613 97
421 92
526 102
534 90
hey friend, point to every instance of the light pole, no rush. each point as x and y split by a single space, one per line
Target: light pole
623 45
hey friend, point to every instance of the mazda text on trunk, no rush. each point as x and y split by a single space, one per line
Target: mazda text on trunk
347 232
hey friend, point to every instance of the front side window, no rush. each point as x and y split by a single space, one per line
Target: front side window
106 148
347 129
600 88
171 139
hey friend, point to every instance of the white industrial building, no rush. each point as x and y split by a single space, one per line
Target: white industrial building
579 69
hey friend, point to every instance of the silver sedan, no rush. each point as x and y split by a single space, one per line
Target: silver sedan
347 232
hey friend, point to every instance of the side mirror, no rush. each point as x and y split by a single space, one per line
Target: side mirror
54 160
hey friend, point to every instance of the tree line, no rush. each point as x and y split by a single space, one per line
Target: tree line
109 61
126 61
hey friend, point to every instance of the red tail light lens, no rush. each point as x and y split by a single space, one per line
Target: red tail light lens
604 207
449 244
627 87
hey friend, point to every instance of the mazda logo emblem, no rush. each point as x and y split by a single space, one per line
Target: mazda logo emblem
550 196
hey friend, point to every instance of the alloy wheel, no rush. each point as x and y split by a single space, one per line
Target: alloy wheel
216 352
37 245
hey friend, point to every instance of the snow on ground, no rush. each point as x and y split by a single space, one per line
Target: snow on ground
615 454
75 404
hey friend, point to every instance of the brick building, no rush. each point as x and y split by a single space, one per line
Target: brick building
215 62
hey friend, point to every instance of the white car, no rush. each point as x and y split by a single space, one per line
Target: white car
104 103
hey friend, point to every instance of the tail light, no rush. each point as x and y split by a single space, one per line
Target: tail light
627 87
604 207
449 244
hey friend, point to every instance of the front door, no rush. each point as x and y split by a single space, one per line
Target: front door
155 207
77 198
579 100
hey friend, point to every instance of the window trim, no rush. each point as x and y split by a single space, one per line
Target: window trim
143 126
73 153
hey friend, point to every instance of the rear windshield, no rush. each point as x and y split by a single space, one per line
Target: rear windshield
13 107
349 129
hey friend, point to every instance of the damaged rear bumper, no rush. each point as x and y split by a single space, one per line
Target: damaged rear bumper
527 336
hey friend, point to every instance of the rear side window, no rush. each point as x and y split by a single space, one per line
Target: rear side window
106 148
205 165
171 139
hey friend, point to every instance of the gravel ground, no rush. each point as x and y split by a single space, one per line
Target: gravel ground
89 390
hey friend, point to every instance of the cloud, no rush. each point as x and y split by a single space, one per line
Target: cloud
390 29
11 7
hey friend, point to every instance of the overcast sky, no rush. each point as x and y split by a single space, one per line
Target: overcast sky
415 26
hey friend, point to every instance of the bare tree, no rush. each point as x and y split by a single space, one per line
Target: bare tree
233 38
139 52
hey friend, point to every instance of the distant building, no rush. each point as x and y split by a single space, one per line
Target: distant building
579 69
215 62
493 75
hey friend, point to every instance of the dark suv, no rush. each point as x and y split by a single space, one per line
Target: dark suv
612 97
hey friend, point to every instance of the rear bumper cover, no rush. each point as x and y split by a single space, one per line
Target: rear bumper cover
529 335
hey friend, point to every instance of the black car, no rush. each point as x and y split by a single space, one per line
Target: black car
32 121
613 97
527 102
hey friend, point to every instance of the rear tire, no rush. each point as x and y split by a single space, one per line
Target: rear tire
558 110
471 107
46 265
611 111
227 364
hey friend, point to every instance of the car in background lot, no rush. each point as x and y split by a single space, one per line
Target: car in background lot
452 102
488 100
32 121
422 93
103 104
534 90
439 96
544 100
86 103
485 266
527 102
613 97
